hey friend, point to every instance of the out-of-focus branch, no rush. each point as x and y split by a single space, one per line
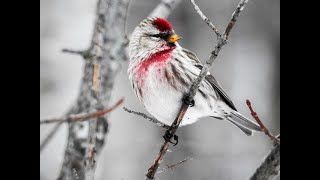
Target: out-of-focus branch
71 51
222 40
151 119
263 127
82 116
164 8
74 118
102 63
49 136
270 167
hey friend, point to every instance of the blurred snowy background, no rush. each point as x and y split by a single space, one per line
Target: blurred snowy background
247 68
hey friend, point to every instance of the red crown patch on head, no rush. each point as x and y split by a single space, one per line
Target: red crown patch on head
162 24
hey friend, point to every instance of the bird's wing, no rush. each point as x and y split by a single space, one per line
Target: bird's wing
209 78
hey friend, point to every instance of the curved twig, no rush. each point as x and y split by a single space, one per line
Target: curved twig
82 117
262 126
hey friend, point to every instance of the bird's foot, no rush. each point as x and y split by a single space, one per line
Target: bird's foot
168 135
187 101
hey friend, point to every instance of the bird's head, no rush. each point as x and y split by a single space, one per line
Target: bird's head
151 36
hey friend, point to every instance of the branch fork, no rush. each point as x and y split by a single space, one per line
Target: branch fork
222 40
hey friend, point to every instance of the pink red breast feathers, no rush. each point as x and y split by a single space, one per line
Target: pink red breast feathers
162 24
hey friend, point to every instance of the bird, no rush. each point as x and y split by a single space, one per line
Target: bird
161 73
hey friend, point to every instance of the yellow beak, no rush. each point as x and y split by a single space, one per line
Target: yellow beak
173 38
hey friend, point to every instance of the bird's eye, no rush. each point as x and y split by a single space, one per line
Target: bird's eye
160 35
155 35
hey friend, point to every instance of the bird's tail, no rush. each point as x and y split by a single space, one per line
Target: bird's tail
245 124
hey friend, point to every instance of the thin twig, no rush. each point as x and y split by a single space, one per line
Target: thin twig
125 20
151 119
172 166
76 52
262 126
86 54
270 167
222 40
205 19
234 17
49 136
73 51
83 117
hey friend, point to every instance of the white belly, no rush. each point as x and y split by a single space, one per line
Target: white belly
163 101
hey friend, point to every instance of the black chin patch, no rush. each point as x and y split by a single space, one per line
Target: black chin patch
171 44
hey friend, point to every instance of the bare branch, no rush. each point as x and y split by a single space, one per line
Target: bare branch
270 167
222 40
205 19
73 52
153 168
83 116
49 136
151 119
263 128
235 17
174 165
164 8
54 120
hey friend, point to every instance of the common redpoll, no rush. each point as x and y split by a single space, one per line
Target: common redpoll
161 72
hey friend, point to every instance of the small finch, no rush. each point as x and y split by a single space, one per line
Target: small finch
161 73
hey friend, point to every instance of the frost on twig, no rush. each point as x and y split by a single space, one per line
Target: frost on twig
151 119
222 40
